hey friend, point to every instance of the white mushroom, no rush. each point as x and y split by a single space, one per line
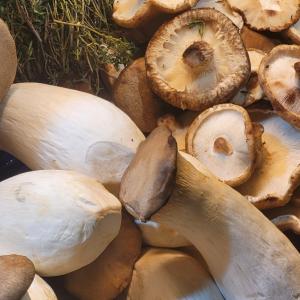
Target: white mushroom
223 7
252 91
273 183
248 257
39 290
226 142
61 220
169 275
48 127
273 15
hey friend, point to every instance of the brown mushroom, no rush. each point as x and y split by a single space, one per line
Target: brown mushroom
272 15
226 142
293 33
16 275
110 74
133 95
279 76
150 174
197 60
111 272
8 59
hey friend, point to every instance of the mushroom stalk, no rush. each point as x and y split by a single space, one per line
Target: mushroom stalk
247 255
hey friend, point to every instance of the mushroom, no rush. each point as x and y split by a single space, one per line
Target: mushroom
133 95
174 6
273 183
293 33
110 74
223 7
111 272
39 290
8 59
205 48
256 40
150 174
61 220
279 76
252 91
158 235
239 244
272 15
168 274
48 127
226 142
16 275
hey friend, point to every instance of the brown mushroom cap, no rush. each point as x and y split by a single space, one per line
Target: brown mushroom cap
279 76
150 175
273 15
197 60
8 59
16 275
111 272
226 142
133 95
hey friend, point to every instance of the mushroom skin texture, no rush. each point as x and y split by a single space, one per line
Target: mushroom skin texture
49 127
283 91
205 48
223 7
61 220
111 272
275 180
272 15
133 95
8 59
226 142
158 235
169 274
39 290
16 275
150 176
235 239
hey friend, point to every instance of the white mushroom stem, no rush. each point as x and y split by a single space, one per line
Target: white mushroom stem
48 127
246 254
60 220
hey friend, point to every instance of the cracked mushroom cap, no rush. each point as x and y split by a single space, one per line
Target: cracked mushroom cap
252 91
226 142
8 59
274 181
293 33
205 48
279 76
223 7
272 15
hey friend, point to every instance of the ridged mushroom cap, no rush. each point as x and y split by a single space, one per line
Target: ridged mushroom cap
205 48
273 15
279 75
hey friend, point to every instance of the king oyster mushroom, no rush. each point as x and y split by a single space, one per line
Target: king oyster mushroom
274 181
169 275
226 142
197 60
272 15
252 91
8 59
279 76
223 7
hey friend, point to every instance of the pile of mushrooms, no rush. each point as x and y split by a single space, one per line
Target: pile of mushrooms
183 184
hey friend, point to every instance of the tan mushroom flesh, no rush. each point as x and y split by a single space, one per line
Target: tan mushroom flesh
273 183
8 59
197 60
279 76
168 274
252 91
174 6
272 15
111 272
226 142
223 7
294 33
